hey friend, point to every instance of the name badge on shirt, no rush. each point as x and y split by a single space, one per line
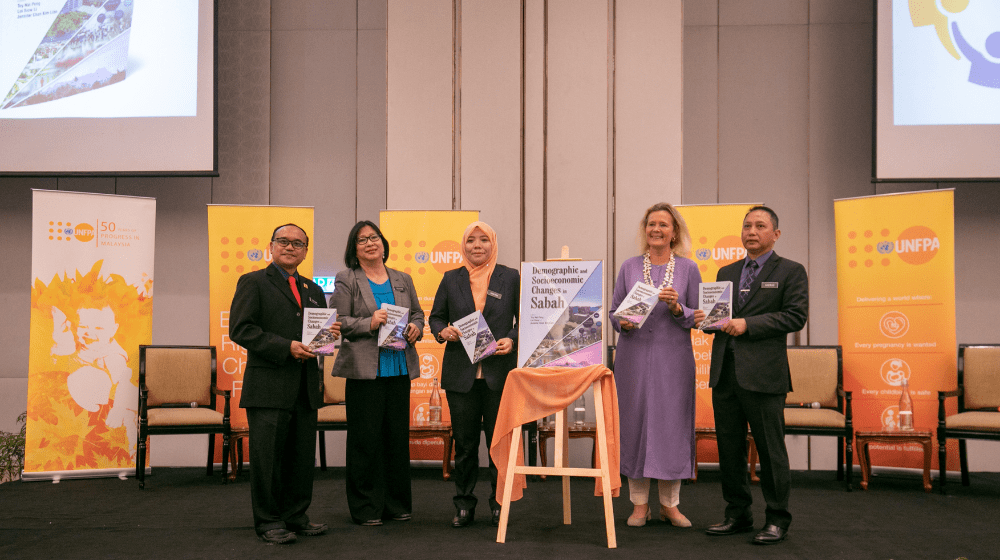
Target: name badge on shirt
491 293
400 289
768 284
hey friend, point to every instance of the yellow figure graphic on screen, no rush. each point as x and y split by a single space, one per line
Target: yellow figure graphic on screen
926 12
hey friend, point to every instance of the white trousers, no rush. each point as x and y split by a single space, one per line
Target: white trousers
670 491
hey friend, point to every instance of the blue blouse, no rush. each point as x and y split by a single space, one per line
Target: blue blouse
391 362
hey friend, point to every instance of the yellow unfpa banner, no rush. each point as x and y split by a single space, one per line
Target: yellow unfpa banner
425 245
239 240
896 307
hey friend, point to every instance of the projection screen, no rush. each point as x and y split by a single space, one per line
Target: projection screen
107 87
937 112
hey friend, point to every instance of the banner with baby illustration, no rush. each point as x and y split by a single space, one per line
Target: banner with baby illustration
425 244
91 308
896 310
239 241
715 242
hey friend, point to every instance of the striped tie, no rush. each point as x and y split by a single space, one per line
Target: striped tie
747 282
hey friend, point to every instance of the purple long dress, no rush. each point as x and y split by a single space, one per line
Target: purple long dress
655 375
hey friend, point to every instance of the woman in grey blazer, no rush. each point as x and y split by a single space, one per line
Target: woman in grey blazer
378 379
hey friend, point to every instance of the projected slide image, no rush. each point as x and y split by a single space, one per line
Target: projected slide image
93 58
946 62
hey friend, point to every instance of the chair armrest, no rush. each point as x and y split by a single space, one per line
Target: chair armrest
848 409
225 410
220 392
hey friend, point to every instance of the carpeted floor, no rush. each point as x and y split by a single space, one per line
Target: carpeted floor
184 514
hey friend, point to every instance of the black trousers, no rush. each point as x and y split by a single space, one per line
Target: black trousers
472 413
282 463
736 407
378 447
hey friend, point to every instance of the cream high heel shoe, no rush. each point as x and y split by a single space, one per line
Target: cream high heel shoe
639 520
677 521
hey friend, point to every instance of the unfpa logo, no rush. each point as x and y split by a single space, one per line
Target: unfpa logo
917 244
422 257
983 54
703 254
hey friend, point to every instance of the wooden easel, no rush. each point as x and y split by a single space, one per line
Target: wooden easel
561 468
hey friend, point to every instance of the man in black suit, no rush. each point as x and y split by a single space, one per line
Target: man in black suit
750 377
281 387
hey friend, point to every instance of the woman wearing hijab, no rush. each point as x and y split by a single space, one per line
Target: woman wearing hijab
473 390
378 379
654 367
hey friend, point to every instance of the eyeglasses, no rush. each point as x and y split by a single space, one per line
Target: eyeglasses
369 239
282 242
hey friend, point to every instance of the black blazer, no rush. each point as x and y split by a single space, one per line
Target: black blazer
454 301
265 318
778 304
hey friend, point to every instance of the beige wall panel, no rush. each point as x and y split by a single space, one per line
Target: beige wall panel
649 95
371 125
101 185
491 119
701 12
764 120
313 134
244 114
287 15
534 121
701 115
420 92
763 12
578 128
245 15
15 283
976 265
13 400
841 11
180 268
372 14
840 152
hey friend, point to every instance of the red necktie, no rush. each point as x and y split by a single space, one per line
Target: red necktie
295 290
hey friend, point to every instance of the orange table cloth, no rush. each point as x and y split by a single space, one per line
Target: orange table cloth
533 393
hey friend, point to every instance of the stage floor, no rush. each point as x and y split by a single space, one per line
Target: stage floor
184 514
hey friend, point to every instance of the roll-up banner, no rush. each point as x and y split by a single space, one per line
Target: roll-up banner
896 310
715 242
91 308
239 241
425 244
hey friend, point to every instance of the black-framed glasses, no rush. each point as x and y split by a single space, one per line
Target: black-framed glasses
282 242
369 239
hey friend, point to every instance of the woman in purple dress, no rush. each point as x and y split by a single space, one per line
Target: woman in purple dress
654 367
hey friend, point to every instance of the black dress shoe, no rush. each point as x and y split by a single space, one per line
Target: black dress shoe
770 534
402 517
463 518
371 523
731 527
495 519
309 529
277 536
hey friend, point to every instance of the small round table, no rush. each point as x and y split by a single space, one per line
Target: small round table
895 437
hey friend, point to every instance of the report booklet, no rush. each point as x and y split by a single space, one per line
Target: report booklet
476 336
392 333
316 322
716 300
636 306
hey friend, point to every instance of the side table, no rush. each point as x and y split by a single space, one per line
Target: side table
425 430
895 437
547 430
236 436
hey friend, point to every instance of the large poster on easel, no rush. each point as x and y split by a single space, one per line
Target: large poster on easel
91 308
562 308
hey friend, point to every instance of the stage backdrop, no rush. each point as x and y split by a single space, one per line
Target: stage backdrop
91 308
239 240
425 245
896 309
